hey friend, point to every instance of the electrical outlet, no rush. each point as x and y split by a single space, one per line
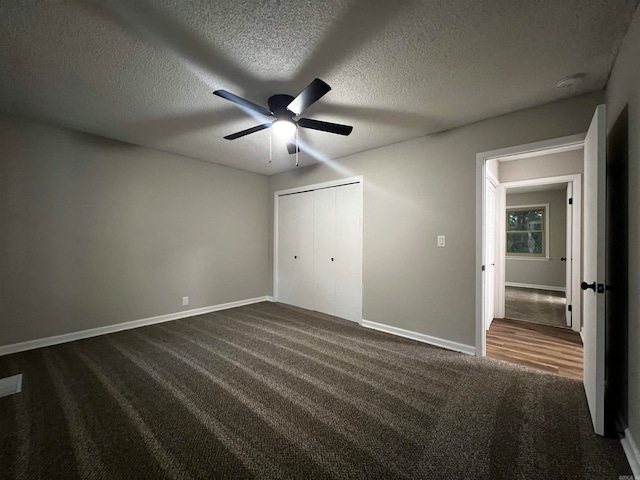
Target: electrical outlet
441 240
185 300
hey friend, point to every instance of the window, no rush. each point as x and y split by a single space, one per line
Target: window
527 231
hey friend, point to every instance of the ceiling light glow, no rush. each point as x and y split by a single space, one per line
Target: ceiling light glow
284 128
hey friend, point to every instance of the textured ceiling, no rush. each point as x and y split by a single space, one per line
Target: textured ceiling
143 71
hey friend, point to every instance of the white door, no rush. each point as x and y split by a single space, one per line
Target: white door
593 297
324 278
295 249
348 252
490 255
569 254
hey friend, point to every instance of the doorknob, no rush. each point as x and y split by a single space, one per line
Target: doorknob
332 259
585 285
563 259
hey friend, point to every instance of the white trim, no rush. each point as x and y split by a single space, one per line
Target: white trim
94 332
632 452
535 149
550 151
532 149
493 179
530 259
10 385
318 186
420 337
537 287
542 181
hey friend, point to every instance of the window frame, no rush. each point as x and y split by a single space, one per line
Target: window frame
545 233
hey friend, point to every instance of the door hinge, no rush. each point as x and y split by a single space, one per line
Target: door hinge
570 308
483 268
571 201
601 288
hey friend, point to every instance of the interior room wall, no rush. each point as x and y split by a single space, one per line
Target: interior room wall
624 89
418 189
553 165
97 232
542 272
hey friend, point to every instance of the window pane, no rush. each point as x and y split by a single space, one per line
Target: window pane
528 243
523 220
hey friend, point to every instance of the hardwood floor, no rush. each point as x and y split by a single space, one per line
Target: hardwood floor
553 349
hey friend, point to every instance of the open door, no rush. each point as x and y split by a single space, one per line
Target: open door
490 255
593 284
569 256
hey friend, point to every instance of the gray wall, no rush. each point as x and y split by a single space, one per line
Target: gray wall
418 189
553 165
542 272
623 89
97 232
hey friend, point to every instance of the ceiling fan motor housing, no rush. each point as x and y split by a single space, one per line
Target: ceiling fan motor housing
278 106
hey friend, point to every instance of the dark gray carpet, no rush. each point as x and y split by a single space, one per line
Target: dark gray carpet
533 305
271 391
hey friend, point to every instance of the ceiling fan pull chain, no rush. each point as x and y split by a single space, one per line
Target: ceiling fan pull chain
297 146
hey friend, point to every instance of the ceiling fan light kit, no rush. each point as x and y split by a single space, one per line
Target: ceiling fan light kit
284 129
284 108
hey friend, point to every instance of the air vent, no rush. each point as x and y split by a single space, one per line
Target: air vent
10 385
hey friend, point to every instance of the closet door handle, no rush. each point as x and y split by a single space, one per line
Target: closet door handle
332 259
295 256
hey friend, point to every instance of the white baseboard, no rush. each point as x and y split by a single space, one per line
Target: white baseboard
94 332
632 452
537 287
420 337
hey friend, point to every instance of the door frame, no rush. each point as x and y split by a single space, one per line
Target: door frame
544 147
576 240
306 188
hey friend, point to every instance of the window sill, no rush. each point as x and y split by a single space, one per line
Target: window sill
535 259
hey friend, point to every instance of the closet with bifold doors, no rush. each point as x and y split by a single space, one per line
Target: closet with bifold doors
319 248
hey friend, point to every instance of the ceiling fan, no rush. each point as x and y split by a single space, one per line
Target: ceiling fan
284 108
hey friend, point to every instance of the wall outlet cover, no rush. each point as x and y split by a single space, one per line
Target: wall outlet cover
185 300
441 242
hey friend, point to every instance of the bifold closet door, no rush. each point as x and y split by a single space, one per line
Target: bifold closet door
324 230
348 252
295 249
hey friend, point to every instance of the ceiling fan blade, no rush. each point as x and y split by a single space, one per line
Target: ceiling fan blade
325 126
311 94
255 129
243 102
291 148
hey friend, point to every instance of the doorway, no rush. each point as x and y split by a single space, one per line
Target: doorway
530 257
538 253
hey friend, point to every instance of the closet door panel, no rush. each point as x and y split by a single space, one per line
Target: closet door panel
348 252
323 244
295 249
